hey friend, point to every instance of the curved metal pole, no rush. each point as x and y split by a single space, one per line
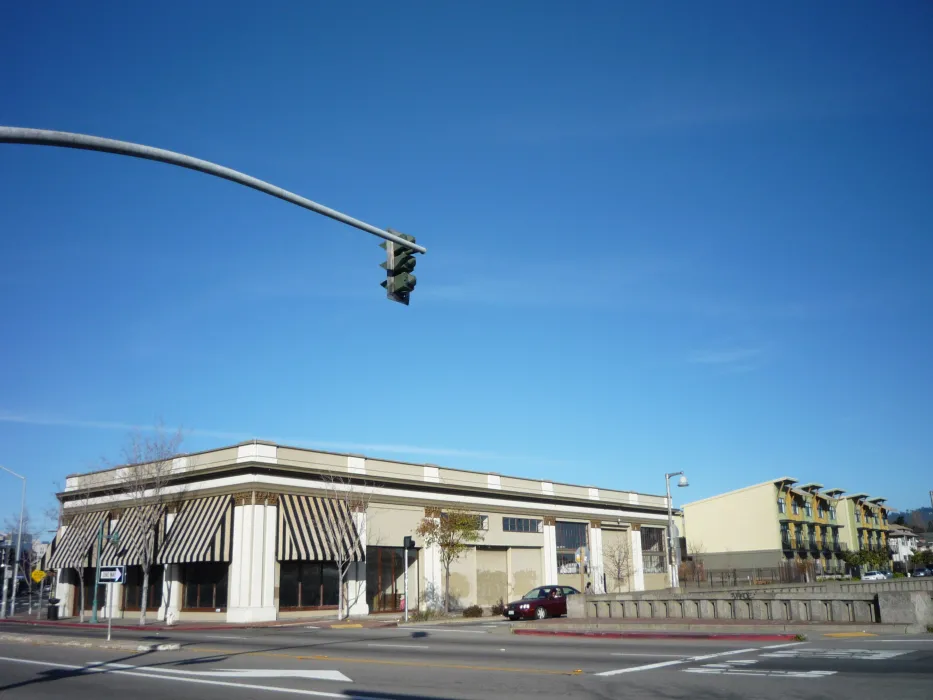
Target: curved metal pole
19 544
66 139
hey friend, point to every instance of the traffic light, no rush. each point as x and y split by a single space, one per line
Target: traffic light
399 264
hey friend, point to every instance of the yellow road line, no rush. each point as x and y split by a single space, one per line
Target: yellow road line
844 635
383 662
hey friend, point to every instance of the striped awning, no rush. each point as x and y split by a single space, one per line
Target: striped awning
316 529
202 531
131 528
77 546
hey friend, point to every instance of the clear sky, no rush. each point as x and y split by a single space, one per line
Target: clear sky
661 236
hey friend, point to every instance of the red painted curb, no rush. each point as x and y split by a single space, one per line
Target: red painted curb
659 635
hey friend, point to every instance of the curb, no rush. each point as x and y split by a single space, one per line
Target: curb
203 628
659 635
86 643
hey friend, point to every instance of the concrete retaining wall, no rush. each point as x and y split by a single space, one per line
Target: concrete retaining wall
892 585
896 607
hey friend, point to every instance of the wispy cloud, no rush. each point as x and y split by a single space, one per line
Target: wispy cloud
736 359
371 448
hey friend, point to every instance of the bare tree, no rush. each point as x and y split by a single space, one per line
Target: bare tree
693 568
618 561
26 559
453 532
346 533
144 482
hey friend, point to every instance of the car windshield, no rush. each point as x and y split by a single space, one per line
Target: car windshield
537 593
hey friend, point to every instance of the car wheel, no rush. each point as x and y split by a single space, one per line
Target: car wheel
540 613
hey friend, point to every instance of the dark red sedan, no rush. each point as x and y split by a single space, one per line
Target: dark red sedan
540 602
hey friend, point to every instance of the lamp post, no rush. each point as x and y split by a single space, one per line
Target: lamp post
19 544
681 482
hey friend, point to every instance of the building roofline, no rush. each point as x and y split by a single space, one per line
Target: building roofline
379 459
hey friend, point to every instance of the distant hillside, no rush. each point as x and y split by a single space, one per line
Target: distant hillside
911 517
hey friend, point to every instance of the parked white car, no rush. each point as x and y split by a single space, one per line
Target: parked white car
874 576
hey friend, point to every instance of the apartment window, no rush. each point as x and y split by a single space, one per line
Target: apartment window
832 512
795 507
785 534
808 509
308 584
821 511
652 548
521 525
205 586
858 516
782 506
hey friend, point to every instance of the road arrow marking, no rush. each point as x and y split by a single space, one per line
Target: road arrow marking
310 674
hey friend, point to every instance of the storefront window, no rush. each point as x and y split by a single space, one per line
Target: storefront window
205 586
308 584
133 588
570 537
385 578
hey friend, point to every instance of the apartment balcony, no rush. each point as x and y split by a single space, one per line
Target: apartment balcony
826 545
813 545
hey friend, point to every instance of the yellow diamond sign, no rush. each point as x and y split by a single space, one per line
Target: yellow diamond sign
38 575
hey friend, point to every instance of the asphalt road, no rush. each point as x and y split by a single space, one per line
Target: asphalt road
465 663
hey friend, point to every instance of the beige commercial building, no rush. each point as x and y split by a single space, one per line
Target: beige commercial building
246 533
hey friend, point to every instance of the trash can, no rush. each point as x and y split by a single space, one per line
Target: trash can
53 608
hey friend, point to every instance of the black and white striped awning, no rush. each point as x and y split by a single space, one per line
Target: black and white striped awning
131 529
316 529
77 546
202 531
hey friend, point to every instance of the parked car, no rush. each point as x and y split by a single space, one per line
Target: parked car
922 572
540 603
873 576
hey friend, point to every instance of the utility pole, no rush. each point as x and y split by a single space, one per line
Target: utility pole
19 544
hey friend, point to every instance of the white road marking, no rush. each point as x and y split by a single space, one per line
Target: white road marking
310 674
399 646
852 654
653 656
662 664
741 668
311 627
782 646
222 636
180 679
911 641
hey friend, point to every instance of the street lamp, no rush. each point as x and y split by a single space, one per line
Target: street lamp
19 544
682 483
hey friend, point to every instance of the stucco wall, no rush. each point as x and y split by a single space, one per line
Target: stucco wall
525 570
740 521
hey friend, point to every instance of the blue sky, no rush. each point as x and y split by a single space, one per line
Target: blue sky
661 236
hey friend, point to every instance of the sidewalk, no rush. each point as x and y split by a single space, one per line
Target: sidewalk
181 626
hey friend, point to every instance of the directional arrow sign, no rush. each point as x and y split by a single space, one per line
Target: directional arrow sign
112 574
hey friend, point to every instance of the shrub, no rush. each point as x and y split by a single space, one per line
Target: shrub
424 615
897 574
473 611
499 608
800 637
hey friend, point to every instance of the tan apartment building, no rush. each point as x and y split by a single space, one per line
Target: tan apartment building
779 522
247 534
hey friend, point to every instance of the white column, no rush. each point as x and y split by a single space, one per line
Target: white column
252 570
433 578
356 576
113 605
65 592
638 562
550 554
596 558
171 593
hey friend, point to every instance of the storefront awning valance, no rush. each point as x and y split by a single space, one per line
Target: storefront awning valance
77 546
132 530
202 531
316 529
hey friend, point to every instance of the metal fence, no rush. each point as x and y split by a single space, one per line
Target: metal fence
696 576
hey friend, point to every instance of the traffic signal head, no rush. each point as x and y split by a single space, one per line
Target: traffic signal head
399 264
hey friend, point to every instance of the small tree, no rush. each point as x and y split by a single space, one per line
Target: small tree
14 528
346 534
145 482
453 532
618 562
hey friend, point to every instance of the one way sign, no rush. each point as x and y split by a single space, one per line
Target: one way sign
112 574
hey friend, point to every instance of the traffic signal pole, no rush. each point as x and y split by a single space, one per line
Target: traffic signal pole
66 139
